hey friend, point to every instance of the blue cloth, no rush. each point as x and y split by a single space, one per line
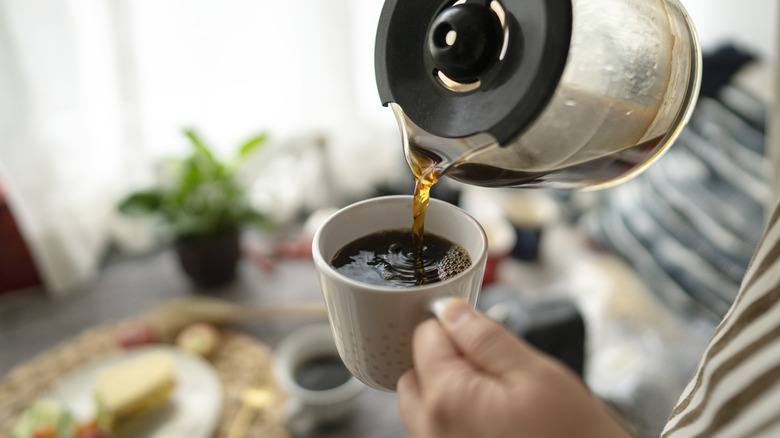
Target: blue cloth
690 223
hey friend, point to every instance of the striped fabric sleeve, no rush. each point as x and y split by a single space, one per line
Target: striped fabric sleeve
735 391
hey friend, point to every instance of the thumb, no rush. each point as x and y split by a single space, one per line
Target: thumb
482 341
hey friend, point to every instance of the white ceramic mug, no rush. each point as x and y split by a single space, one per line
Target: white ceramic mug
373 325
307 409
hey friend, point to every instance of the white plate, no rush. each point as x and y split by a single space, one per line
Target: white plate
193 410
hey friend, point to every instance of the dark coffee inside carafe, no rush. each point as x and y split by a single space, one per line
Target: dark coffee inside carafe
592 172
428 167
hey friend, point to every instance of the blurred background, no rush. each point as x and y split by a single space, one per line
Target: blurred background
95 96
96 93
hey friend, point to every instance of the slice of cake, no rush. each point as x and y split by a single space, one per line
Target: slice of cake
131 390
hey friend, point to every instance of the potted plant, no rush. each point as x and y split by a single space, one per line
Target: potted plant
204 207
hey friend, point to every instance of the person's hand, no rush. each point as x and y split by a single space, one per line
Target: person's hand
473 378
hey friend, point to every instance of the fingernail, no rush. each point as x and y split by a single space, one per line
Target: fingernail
451 311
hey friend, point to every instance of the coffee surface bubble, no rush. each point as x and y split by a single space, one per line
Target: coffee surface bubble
454 262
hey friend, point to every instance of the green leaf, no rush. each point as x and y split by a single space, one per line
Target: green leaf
141 203
251 216
203 158
252 144
198 143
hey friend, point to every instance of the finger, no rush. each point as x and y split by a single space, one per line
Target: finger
484 342
432 350
409 399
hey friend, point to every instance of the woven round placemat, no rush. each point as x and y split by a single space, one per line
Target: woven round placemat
241 362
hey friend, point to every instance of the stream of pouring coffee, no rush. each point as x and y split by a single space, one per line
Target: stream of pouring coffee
426 173
427 167
427 170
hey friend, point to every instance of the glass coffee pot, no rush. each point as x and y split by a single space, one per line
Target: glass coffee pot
537 93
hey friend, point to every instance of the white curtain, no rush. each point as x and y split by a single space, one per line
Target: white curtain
94 92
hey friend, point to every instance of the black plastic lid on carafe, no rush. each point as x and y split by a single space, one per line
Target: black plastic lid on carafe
417 39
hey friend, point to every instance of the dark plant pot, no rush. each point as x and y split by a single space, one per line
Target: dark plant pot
209 261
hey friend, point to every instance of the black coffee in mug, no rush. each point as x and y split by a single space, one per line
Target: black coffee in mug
390 258
321 373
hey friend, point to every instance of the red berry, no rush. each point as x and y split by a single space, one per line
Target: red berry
44 431
132 333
